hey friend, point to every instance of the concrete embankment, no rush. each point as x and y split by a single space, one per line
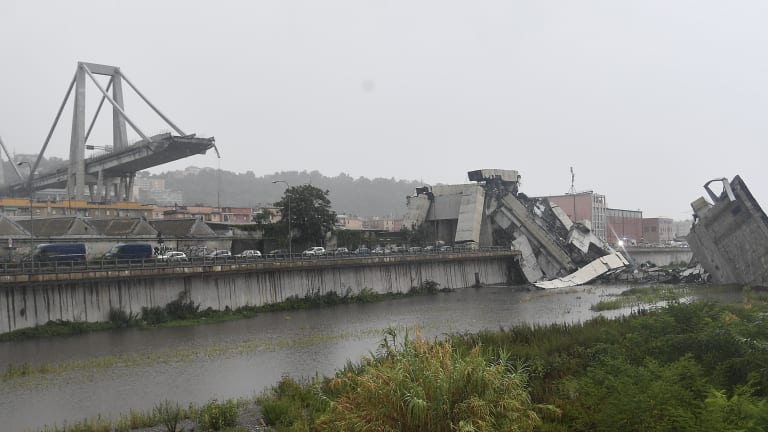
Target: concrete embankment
27 300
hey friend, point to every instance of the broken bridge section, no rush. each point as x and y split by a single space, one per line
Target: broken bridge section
110 175
491 212
729 236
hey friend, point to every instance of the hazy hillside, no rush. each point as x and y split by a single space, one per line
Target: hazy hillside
361 196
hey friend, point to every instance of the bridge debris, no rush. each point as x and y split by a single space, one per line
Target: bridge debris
551 245
729 237
596 268
492 212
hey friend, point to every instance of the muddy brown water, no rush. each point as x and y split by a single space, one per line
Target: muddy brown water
112 372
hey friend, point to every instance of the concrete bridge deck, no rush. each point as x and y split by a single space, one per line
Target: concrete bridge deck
136 157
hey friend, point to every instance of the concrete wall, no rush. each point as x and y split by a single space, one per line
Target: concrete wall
89 297
659 256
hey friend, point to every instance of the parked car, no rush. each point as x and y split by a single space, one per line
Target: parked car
314 251
220 253
362 251
124 251
414 249
429 249
380 251
173 256
341 251
277 253
446 249
250 253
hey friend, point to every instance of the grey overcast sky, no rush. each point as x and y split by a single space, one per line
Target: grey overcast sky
647 100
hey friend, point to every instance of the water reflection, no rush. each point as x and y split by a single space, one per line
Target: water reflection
111 372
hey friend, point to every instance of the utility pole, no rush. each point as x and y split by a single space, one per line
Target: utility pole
572 191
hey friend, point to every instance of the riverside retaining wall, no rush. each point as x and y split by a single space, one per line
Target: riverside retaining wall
29 300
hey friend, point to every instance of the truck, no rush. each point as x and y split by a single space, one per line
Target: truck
130 251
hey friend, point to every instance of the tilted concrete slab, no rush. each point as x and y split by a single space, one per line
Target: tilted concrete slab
730 236
561 215
587 273
528 262
470 215
514 211
418 207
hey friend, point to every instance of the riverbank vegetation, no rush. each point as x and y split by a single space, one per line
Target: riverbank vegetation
183 312
227 416
642 297
685 367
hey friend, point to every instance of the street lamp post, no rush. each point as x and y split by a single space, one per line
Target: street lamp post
31 211
290 234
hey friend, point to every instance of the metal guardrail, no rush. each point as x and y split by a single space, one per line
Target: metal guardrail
29 267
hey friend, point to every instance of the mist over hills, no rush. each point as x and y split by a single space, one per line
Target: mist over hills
359 196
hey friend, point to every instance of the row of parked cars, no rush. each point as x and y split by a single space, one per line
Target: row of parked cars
76 252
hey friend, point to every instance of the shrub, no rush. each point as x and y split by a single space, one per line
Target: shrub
217 415
123 318
289 404
430 386
169 414
366 295
427 286
182 308
153 315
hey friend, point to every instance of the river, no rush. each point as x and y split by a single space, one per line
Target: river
112 372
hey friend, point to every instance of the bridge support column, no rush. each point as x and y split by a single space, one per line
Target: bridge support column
129 186
119 132
99 187
76 174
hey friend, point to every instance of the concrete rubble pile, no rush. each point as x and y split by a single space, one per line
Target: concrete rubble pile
649 273
729 236
555 251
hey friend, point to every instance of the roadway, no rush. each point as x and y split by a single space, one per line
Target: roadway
26 267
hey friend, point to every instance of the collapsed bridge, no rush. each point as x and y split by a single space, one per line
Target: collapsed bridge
555 251
109 175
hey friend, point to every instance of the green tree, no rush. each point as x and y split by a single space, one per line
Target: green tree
311 217
418 236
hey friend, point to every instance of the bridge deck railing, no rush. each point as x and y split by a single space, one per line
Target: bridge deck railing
27 266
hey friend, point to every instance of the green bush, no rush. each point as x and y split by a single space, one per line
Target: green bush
182 308
289 404
123 318
169 414
153 315
366 295
427 286
430 387
216 415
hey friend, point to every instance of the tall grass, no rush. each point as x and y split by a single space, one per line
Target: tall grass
430 386
410 386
